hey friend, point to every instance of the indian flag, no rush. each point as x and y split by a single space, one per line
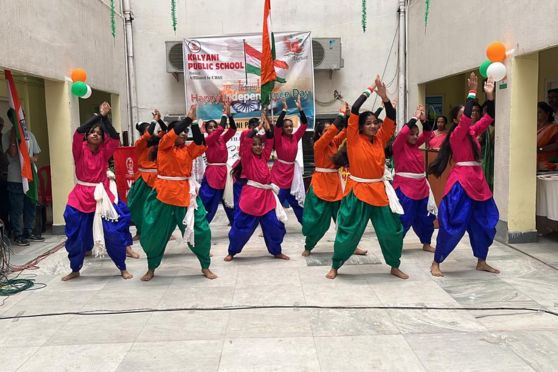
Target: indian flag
268 56
28 170
253 62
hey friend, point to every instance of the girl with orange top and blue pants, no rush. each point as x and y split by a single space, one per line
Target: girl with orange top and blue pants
283 172
410 183
259 203
467 204
147 167
174 202
366 194
215 177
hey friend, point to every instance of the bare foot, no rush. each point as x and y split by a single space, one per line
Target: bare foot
126 275
332 274
71 276
282 256
398 273
435 269
428 248
360 252
88 253
148 276
483 266
306 253
229 258
208 274
131 253
136 237
210 254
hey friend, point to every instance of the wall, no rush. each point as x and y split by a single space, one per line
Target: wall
49 38
548 70
365 54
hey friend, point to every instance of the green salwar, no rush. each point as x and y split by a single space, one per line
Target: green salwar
318 214
160 220
352 220
136 201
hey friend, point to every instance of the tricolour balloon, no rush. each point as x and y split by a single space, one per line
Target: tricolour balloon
497 70
78 74
496 52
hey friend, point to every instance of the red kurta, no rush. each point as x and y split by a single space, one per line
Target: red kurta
216 175
286 148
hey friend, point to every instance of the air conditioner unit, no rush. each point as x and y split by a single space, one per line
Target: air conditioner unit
175 57
327 53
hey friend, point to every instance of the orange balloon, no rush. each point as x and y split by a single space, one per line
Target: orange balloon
78 74
496 52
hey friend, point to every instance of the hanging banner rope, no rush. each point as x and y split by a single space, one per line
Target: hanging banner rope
426 12
112 19
173 14
363 16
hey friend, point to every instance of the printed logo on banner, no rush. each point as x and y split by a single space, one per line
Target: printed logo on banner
194 46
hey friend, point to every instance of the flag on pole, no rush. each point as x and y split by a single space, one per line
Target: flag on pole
268 56
16 116
253 58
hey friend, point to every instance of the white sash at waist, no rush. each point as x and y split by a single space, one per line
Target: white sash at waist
285 162
216 164
394 204
279 211
468 164
148 170
171 178
431 205
326 170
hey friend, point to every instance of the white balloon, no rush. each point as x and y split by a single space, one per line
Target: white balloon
497 70
89 92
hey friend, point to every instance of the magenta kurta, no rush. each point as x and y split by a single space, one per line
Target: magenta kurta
409 158
216 175
90 167
254 201
470 178
286 148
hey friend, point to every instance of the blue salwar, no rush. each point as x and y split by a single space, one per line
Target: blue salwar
459 213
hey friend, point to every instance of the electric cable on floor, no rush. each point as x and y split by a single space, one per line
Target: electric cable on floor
293 307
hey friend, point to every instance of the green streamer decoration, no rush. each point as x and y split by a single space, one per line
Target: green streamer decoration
363 16
112 19
426 12
173 14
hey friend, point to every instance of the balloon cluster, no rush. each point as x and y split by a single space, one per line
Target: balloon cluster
494 66
79 88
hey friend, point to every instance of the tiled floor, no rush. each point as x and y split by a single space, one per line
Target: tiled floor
396 331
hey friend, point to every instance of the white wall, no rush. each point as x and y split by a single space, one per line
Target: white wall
365 54
48 38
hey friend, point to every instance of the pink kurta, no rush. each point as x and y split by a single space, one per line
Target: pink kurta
254 201
410 159
216 175
470 178
243 137
90 167
286 148
437 140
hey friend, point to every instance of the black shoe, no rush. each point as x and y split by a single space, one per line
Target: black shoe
35 238
22 242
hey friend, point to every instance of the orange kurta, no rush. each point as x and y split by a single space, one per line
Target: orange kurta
175 161
546 135
327 186
142 153
367 160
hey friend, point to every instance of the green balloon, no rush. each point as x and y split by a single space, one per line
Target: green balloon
79 88
483 67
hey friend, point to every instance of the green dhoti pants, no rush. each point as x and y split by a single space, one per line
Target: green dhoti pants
318 214
352 220
160 220
136 201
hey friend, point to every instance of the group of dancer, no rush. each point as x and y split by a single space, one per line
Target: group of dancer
165 194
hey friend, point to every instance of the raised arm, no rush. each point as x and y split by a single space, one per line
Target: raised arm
480 126
352 126
462 129
303 121
231 131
